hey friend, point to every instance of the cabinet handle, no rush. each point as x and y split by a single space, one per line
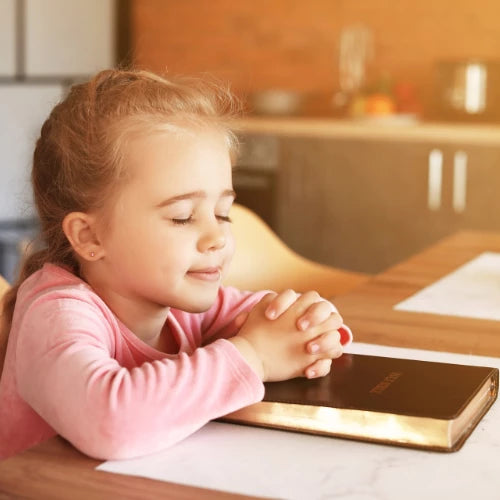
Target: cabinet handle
459 181
435 179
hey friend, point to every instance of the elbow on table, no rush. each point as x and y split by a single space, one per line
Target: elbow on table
113 442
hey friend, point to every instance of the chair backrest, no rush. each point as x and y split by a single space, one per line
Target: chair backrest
263 261
4 286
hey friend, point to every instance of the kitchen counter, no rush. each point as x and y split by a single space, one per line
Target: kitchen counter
376 129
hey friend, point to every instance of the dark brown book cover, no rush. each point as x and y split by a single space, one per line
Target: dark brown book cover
395 401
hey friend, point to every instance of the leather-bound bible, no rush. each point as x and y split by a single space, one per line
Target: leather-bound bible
394 401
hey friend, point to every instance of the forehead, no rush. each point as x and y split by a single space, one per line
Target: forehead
180 160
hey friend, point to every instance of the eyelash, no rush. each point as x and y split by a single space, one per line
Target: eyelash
183 222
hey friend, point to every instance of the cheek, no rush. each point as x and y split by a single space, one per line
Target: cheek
175 249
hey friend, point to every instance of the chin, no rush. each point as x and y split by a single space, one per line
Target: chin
196 308
199 306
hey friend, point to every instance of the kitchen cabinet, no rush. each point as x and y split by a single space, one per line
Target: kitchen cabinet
365 204
68 39
482 209
7 38
44 47
23 109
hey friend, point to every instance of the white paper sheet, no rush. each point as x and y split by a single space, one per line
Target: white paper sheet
472 291
279 464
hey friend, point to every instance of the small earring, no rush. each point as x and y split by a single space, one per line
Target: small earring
92 254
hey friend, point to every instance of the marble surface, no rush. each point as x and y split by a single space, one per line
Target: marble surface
278 464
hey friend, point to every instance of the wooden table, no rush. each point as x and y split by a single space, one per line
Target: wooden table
56 470
368 310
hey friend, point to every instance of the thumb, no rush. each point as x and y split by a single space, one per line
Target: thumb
265 301
240 319
261 305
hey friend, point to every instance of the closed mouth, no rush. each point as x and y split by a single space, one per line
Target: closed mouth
206 274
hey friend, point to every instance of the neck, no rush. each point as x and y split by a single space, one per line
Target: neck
145 319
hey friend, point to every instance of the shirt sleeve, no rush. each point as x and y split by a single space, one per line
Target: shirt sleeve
67 372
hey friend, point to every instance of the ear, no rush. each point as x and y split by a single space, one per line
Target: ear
80 229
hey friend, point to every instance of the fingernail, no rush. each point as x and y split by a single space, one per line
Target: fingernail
304 324
311 374
271 314
314 348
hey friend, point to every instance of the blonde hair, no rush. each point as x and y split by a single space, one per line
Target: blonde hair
77 162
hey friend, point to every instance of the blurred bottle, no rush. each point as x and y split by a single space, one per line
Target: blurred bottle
355 52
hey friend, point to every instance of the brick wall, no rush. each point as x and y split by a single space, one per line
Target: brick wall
293 44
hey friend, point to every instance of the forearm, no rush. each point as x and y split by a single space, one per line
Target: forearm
109 411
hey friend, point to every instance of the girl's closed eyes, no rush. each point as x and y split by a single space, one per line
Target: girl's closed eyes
183 222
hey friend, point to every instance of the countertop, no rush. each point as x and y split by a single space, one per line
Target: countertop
382 129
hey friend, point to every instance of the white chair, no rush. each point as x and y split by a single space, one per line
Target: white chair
262 261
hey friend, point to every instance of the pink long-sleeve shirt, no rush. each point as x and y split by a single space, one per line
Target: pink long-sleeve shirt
72 368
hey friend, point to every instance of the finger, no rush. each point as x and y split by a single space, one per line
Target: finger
259 308
316 314
240 319
319 368
319 324
280 304
325 343
265 301
304 301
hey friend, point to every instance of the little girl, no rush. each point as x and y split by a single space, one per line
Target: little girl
122 339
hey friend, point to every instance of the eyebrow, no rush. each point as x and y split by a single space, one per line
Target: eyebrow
194 194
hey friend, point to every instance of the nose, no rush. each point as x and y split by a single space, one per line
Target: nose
212 238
